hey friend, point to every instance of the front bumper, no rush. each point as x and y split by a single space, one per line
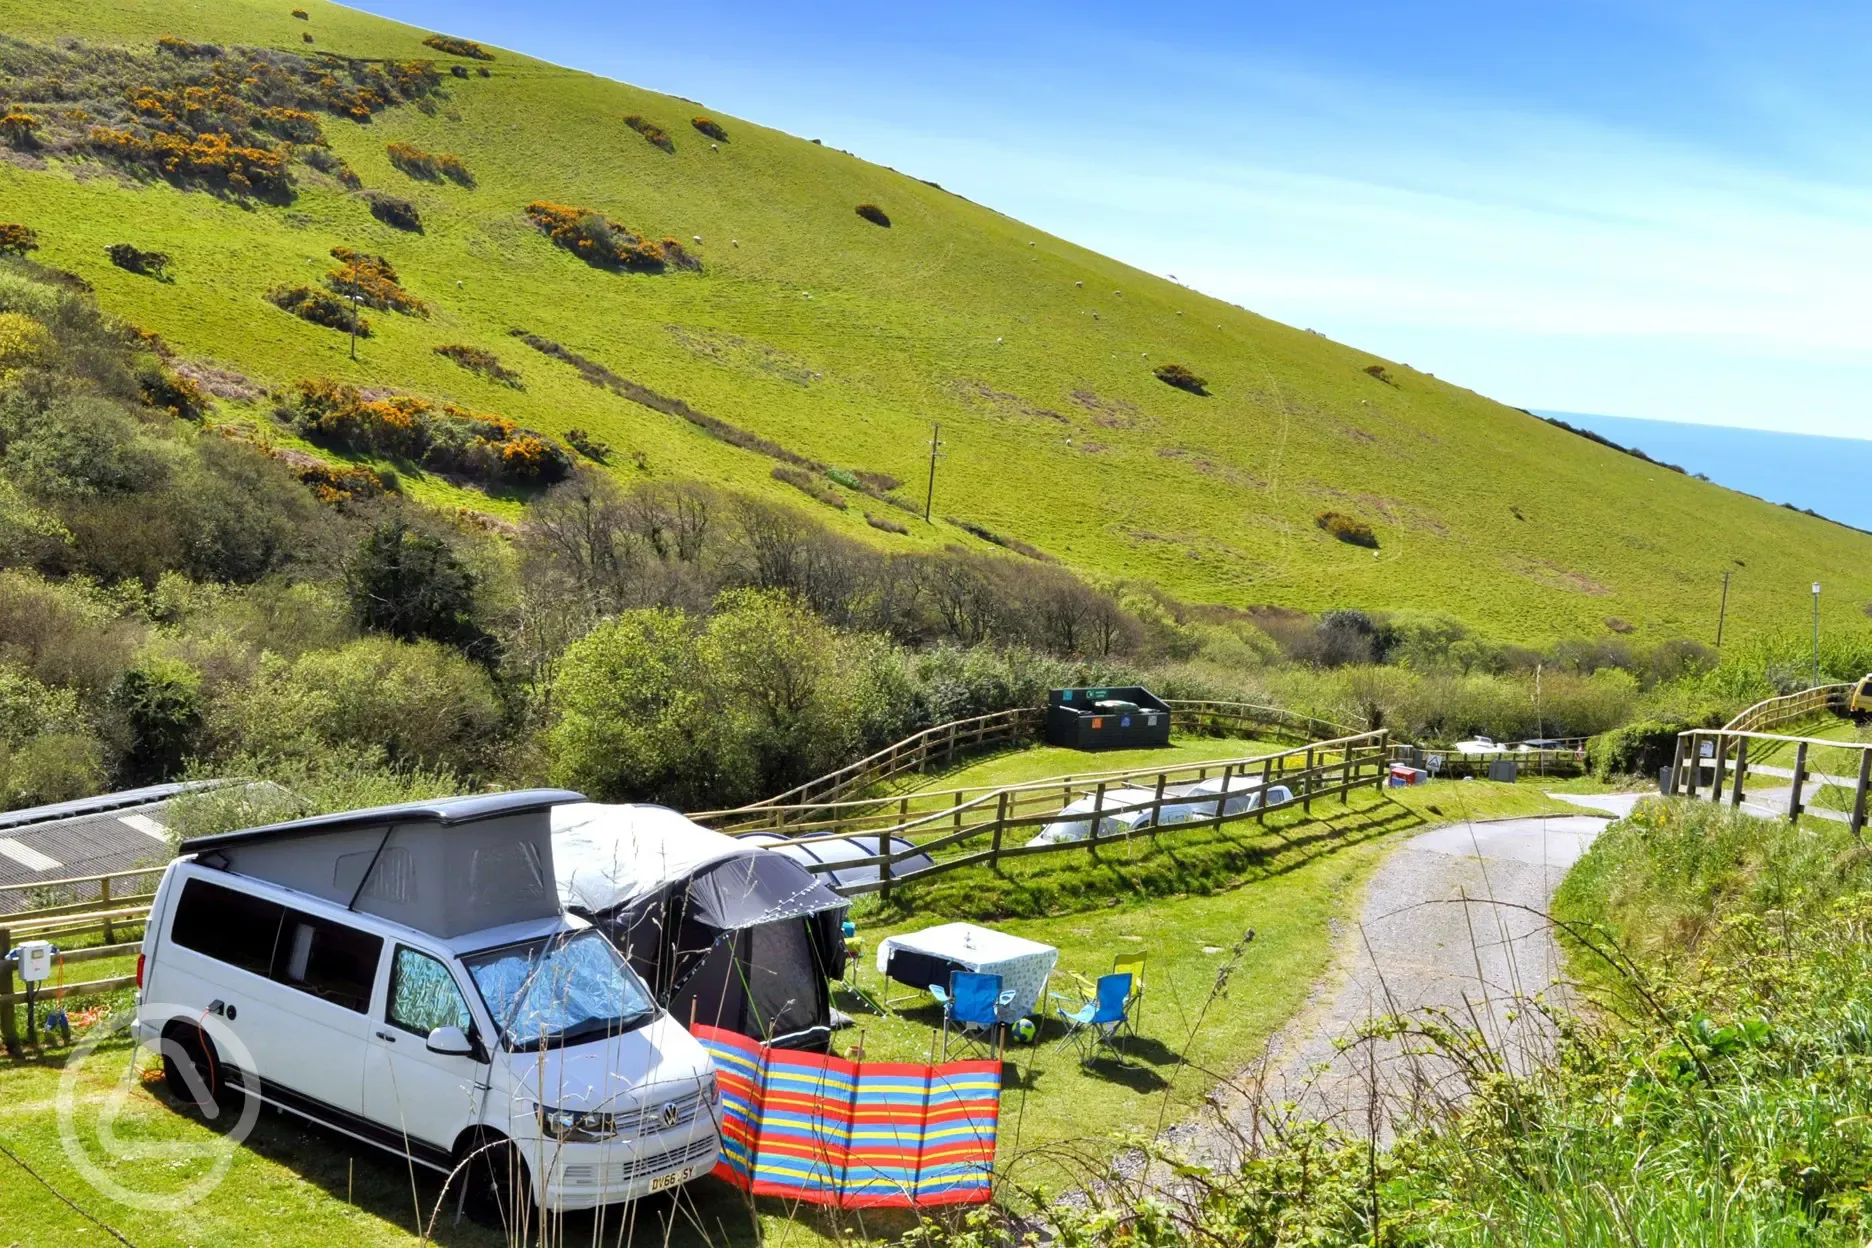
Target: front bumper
584 1176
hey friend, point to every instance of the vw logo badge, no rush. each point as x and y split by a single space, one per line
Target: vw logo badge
669 1114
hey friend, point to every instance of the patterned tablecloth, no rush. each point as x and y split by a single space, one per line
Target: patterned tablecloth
1022 964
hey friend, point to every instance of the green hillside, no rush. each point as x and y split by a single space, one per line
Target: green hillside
841 340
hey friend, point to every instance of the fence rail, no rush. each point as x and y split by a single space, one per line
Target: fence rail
63 926
977 826
1790 708
1717 759
944 742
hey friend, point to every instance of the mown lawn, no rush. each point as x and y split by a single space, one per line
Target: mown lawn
294 1185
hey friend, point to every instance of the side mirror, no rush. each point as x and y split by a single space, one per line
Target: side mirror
451 1042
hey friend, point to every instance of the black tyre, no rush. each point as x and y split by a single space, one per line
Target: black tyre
192 1070
499 1190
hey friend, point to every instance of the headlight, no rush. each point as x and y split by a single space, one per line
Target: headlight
575 1125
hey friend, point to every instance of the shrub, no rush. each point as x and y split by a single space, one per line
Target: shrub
394 212
174 393
445 438
320 307
652 133
458 47
709 127
183 48
593 239
17 239
410 584
307 38
1378 371
873 214
18 127
885 523
332 484
428 167
330 163
217 160
1181 377
1006 543
809 485
135 260
161 702
482 361
373 280
588 446
1348 529
453 169
302 15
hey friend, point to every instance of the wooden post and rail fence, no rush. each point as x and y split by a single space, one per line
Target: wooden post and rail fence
950 829
113 908
1020 726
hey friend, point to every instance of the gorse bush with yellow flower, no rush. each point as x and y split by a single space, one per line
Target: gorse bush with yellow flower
442 437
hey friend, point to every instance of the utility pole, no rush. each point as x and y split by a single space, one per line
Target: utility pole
1722 611
1816 631
929 498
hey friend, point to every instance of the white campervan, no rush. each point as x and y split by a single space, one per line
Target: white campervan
405 976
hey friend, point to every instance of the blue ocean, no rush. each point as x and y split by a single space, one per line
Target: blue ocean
1832 476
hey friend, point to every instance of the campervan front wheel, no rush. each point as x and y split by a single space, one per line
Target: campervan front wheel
499 1191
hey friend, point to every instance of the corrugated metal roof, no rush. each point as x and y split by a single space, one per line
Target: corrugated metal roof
95 836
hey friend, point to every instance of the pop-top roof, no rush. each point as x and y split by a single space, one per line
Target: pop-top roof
446 811
446 867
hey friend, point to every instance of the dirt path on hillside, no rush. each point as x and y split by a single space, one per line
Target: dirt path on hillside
1451 922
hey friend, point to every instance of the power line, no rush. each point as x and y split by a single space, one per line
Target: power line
107 1228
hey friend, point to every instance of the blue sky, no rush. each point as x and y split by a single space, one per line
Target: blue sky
1652 210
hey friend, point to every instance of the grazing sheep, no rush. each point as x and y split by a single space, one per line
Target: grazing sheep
714 147
697 237
1079 283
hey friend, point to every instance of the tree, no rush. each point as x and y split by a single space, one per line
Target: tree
410 585
633 714
776 671
161 702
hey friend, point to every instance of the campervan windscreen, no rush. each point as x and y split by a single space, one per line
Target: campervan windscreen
560 990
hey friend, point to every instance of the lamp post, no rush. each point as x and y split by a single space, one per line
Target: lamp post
1816 634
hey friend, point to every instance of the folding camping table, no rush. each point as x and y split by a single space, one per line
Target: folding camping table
927 957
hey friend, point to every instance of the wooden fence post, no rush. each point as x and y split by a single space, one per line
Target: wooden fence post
1157 809
1859 793
1741 771
1306 784
1676 769
1098 807
1794 794
994 847
104 900
1716 786
958 810
8 1035
1267 778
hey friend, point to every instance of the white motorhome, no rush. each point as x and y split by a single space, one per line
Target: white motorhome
405 976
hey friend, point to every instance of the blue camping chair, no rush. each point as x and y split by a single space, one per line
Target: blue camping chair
1100 1022
972 1009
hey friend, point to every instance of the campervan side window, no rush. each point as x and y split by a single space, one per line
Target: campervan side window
228 925
329 960
423 995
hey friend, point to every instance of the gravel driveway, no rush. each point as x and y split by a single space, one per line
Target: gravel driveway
1451 921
